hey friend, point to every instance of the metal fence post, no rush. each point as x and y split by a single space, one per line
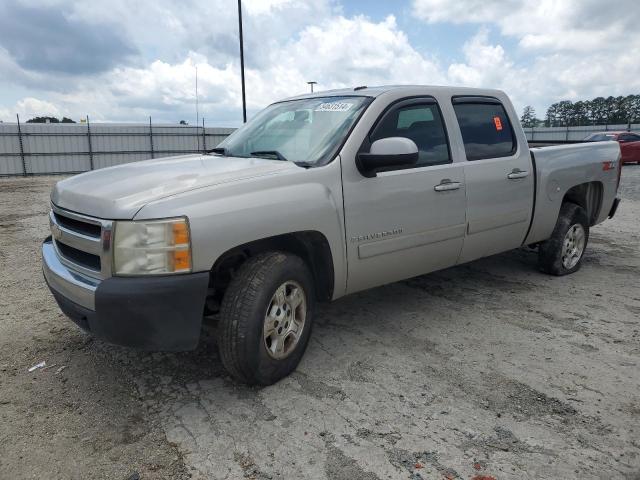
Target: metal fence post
204 138
151 138
24 164
89 141
566 135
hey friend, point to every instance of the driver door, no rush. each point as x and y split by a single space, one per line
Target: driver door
410 221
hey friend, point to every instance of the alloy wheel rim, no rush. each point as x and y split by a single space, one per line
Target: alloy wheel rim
573 246
284 320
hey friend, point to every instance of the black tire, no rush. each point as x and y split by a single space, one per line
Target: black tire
242 315
550 251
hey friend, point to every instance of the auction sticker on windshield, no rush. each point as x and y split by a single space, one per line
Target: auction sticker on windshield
334 107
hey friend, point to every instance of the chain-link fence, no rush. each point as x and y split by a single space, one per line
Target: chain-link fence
43 148
39 148
573 134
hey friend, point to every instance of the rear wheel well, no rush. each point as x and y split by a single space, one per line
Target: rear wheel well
588 196
311 246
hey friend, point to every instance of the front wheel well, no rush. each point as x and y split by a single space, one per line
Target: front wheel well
588 196
311 246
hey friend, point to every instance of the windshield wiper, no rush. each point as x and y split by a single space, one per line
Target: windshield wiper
219 151
261 153
305 164
273 153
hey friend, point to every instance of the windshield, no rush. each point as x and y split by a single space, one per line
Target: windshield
600 137
305 131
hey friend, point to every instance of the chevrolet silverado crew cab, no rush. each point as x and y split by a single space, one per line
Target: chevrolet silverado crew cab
317 197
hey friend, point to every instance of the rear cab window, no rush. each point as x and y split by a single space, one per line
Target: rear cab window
419 120
485 126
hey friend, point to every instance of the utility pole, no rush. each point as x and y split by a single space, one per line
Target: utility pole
311 84
197 113
24 163
244 100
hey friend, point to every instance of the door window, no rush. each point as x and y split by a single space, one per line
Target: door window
629 137
421 123
486 130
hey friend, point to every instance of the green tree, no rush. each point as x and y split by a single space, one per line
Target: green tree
528 119
66 120
598 111
610 108
551 118
633 105
629 108
579 114
43 120
565 113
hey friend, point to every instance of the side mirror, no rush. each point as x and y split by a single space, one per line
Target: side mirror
388 152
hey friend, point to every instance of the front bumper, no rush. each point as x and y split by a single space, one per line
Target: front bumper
150 313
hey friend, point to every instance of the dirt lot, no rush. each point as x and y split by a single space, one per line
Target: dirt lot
489 369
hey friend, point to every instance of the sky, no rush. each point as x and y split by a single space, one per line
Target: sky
123 60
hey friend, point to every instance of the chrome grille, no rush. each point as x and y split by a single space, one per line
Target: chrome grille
82 227
81 242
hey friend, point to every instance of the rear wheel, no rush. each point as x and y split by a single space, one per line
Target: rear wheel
266 318
562 253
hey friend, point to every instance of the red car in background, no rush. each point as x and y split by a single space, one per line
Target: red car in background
629 143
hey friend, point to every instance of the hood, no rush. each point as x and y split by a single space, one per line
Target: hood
119 192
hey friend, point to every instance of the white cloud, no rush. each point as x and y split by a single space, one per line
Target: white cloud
572 25
485 64
462 11
335 52
569 49
30 107
341 52
168 30
564 49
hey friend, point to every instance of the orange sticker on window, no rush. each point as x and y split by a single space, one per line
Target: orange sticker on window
498 123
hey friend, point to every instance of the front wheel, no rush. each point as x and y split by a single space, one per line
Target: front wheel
266 318
562 253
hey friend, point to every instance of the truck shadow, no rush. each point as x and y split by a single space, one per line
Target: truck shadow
423 340
351 317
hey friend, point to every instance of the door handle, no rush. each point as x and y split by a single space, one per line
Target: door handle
517 173
446 185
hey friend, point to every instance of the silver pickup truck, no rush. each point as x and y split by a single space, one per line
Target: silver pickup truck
318 196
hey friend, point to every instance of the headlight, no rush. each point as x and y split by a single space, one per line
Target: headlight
156 247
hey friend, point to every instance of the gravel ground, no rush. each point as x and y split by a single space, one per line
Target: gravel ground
490 369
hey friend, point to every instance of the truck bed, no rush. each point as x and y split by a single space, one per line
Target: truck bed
594 165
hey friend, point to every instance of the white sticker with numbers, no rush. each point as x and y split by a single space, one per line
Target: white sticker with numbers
334 107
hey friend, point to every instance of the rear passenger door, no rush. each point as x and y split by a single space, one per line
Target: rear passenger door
499 178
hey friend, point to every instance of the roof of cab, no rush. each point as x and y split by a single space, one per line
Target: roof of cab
375 91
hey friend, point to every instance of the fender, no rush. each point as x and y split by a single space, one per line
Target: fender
559 170
223 217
